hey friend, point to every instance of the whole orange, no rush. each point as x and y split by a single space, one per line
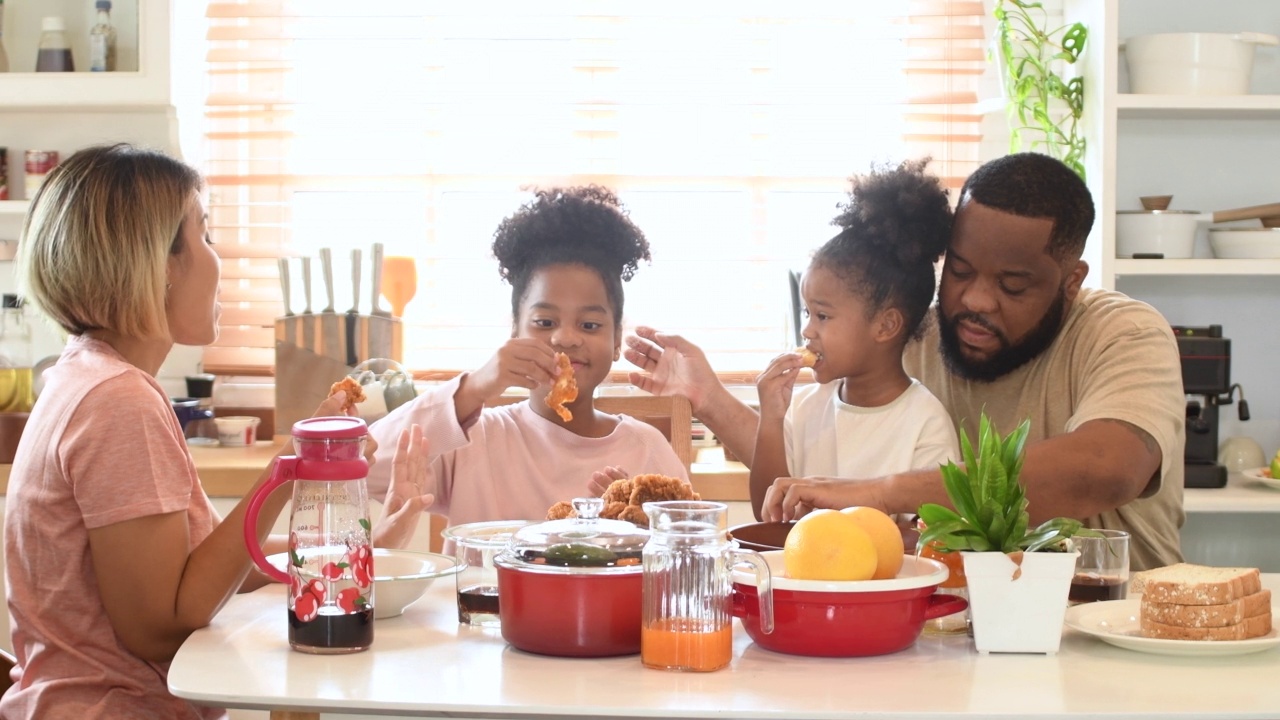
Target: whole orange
886 537
829 545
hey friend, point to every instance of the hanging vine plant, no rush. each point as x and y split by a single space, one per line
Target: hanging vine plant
1044 108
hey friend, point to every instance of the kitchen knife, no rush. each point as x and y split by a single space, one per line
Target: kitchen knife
330 329
307 319
380 321
288 324
353 315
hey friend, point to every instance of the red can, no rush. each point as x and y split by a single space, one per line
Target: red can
39 164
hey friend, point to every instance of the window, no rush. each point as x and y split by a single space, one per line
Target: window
727 128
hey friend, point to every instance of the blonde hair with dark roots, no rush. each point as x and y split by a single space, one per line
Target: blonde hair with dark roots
95 245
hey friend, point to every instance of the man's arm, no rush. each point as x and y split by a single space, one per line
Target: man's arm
672 365
1099 466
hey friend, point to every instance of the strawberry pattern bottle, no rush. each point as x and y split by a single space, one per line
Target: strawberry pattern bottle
330 557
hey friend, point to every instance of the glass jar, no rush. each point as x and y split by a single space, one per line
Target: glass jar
955 584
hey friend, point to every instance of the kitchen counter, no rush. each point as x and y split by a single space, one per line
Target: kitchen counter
424 664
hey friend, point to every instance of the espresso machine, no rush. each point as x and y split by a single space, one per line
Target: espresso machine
1206 379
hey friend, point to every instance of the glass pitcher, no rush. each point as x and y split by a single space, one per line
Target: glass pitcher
687 621
330 558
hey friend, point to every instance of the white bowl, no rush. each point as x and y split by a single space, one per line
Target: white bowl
400 577
1245 243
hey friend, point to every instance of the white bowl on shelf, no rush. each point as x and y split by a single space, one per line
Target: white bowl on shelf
1245 243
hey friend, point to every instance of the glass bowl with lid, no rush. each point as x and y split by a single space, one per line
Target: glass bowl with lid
572 587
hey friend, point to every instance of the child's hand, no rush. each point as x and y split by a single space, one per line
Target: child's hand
405 501
602 479
775 384
521 362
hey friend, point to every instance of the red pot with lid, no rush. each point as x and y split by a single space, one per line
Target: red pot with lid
572 587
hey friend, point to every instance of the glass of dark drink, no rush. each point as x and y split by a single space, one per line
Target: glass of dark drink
1102 570
475 545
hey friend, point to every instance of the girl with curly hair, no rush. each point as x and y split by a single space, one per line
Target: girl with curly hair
566 254
865 294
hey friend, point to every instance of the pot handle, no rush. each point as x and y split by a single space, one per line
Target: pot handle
1253 212
941 604
1256 38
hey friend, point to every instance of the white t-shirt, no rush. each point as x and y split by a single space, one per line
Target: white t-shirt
830 438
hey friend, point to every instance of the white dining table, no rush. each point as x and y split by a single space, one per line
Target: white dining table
424 664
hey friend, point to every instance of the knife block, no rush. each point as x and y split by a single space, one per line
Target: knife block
315 350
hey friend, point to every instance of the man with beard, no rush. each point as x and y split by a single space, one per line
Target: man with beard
1014 335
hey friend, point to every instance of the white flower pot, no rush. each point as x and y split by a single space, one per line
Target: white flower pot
1018 611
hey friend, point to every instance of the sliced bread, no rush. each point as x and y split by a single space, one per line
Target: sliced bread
1188 584
1206 616
1253 627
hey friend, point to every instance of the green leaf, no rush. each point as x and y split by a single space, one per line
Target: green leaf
364 523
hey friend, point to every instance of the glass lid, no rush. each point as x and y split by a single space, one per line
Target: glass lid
583 544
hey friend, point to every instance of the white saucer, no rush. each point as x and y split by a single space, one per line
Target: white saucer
1116 622
1257 474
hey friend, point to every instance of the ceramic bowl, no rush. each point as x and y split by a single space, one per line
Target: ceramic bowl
844 619
400 577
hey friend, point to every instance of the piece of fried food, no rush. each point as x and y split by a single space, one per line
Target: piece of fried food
355 393
564 389
618 491
656 488
634 515
807 357
612 510
561 510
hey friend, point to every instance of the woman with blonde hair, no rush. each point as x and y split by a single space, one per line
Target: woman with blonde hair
114 554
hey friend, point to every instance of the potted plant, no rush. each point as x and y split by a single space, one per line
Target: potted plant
1018 576
1041 102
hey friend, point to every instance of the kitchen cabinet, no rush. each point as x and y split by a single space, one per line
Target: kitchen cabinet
142 77
1211 153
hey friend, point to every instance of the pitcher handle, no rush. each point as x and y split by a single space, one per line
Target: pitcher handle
764 585
284 470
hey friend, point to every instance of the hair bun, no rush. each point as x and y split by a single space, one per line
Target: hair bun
901 211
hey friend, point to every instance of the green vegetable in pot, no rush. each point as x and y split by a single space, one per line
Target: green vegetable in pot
579 555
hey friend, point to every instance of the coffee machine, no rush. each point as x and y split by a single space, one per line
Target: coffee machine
1206 379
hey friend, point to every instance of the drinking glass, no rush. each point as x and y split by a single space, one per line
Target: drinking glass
399 282
1102 570
475 545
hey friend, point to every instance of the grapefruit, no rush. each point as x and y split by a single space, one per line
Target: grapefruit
829 545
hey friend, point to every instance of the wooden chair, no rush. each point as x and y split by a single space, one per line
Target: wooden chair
7 663
672 416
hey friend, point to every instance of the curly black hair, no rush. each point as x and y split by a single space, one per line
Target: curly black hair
897 222
582 225
1034 185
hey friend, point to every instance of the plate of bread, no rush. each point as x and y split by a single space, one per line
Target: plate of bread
1185 609
1262 475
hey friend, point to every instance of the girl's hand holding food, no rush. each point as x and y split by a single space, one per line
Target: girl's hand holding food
521 362
776 384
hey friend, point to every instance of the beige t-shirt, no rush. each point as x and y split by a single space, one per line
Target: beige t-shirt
1115 358
102 447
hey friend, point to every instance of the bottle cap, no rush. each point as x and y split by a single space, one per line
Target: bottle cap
52 23
103 5
12 301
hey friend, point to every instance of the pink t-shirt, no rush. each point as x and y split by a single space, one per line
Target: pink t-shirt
102 446
511 463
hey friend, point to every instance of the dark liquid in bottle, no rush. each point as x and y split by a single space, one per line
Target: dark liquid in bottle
477 600
54 61
1092 588
335 634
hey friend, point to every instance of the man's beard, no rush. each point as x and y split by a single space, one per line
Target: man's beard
1009 357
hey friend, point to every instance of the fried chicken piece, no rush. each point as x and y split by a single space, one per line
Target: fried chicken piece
612 510
635 515
655 488
561 510
564 389
807 357
618 491
355 393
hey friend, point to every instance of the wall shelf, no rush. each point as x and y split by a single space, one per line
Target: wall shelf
1199 107
13 207
1203 266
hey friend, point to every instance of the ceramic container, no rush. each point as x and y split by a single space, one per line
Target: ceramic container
1245 243
1018 608
1168 233
237 430
1193 63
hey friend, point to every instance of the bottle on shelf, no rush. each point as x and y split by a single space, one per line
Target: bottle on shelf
17 394
54 54
102 40
4 57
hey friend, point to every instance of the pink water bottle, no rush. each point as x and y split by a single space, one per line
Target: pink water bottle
330 559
